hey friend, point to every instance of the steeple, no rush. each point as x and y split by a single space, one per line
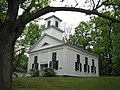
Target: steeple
53 27
53 21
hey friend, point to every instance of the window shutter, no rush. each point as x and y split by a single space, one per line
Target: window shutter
51 64
32 66
95 69
85 68
75 66
56 65
88 68
93 62
80 67
78 58
91 69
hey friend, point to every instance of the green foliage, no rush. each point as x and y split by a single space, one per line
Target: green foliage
66 83
81 37
20 63
106 44
30 35
3 9
34 5
34 72
48 72
103 37
116 51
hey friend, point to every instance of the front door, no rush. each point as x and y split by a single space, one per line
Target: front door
42 66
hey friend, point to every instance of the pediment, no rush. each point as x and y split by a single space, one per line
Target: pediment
44 42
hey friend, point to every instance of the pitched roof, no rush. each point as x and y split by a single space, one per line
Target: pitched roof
53 27
54 17
81 49
42 38
63 43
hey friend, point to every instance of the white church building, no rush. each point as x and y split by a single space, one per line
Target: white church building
50 51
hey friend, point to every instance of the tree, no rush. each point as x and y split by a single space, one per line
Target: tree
102 44
29 36
20 64
81 37
67 31
103 37
12 26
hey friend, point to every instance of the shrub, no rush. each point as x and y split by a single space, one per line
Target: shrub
48 72
34 72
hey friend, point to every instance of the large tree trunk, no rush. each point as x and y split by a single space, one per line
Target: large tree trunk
7 41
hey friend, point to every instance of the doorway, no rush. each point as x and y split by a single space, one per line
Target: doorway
42 66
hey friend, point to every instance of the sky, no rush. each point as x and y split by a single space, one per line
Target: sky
70 18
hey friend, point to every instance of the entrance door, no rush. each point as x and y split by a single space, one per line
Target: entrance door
43 66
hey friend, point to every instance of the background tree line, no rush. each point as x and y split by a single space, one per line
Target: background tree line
12 25
100 37
30 35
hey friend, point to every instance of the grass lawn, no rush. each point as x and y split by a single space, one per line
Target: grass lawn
66 83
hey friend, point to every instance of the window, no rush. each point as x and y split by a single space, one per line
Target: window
86 60
35 64
86 66
35 59
54 62
45 44
78 58
54 65
56 23
49 22
93 63
78 65
54 56
93 68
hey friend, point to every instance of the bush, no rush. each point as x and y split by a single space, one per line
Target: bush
34 72
48 72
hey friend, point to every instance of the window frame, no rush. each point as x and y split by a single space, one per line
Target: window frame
49 23
56 24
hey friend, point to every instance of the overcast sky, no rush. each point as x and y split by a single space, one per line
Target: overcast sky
71 18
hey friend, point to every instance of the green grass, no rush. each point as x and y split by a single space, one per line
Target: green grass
66 83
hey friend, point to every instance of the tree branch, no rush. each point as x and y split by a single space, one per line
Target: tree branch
112 4
21 1
98 6
27 17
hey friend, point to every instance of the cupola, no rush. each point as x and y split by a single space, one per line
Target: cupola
53 21
53 27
